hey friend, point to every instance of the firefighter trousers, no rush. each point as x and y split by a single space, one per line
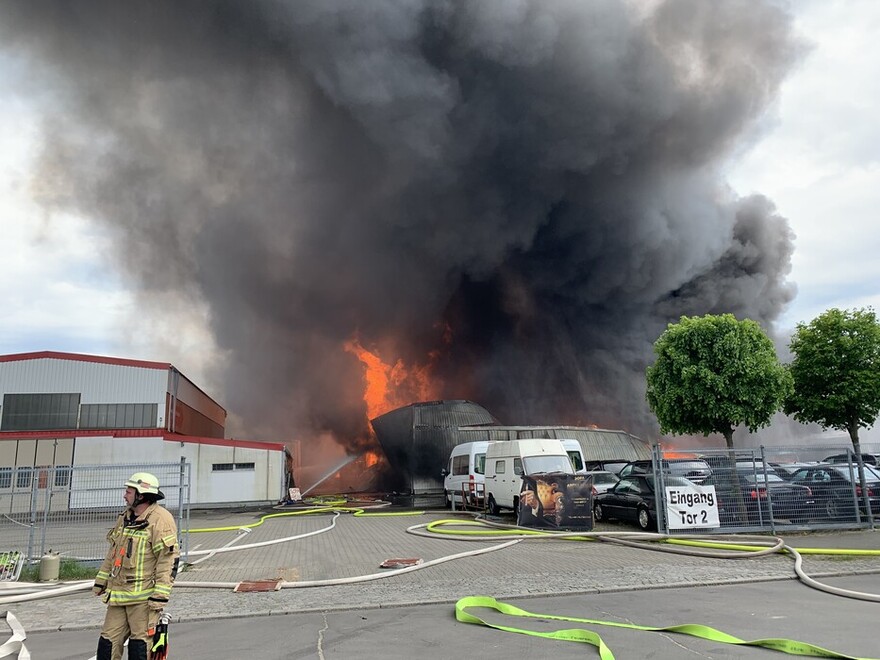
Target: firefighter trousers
131 622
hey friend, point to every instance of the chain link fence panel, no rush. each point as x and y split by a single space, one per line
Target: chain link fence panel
68 510
766 489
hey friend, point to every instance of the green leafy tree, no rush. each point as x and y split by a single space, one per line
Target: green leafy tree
836 372
713 373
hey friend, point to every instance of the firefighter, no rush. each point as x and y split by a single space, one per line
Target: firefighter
137 574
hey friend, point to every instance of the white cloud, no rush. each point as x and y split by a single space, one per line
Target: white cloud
821 164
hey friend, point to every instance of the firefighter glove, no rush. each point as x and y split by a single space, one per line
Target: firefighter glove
159 648
98 589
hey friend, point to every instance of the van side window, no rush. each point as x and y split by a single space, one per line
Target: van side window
460 465
576 460
499 467
480 464
517 466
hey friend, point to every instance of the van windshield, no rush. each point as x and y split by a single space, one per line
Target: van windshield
575 459
544 463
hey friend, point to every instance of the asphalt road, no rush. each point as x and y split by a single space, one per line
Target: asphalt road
786 609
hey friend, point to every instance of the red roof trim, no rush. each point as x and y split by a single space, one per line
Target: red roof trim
223 442
141 433
79 357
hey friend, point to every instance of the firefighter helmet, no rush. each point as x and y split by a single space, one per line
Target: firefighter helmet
143 483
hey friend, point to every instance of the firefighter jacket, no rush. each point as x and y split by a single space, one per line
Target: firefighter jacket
141 563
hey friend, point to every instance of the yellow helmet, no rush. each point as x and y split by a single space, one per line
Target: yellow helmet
144 482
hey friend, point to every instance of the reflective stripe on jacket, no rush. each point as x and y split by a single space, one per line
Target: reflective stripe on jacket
142 559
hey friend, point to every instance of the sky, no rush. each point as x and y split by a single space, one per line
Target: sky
818 160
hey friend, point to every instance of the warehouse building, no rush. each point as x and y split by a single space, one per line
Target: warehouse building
418 438
65 409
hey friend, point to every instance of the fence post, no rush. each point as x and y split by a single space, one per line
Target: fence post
33 515
767 488
659 490
184 538
50 480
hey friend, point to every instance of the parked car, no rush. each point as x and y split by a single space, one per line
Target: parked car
835 491
632 499
611 465
793 502
868 459
602 480
788 470
693 469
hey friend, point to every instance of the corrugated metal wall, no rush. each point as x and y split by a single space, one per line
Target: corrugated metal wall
417 440
596 443
98 383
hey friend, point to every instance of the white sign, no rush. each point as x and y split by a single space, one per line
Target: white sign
691 507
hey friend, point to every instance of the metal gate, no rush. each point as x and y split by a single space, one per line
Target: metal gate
69 509
763 489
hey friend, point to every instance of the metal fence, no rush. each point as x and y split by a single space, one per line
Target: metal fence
766 489
68 510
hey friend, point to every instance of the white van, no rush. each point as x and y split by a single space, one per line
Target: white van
575 455
466 468
508 460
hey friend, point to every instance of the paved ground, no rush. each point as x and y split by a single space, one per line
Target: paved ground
781 609
356 546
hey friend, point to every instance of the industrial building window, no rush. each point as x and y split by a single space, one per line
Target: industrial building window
118 415
39 412
62 475
228 467
23 477
5 477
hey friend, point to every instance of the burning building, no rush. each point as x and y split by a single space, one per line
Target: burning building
417 439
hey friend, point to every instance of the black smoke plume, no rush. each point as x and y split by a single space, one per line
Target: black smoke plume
531 189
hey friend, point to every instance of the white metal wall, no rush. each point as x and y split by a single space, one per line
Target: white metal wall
98 382
264 483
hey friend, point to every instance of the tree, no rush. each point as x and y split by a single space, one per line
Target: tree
836 372
713 373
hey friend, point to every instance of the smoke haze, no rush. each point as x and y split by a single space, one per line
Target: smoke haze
531 190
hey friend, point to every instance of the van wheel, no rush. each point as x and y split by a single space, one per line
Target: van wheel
447 498
494 509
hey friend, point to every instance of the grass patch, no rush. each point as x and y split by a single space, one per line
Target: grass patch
69 569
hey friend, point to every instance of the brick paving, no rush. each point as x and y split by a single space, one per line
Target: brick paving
356 546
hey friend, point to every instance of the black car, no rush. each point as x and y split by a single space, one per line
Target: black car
867 459
793 502
835 492
611 465
693 469
632 499
788 470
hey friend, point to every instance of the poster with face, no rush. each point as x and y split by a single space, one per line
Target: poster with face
557 501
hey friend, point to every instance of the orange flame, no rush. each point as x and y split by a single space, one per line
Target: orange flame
371 458
392 386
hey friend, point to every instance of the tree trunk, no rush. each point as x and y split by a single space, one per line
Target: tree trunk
738 501
853 429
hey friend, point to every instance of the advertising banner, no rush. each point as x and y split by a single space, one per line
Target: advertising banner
556 501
